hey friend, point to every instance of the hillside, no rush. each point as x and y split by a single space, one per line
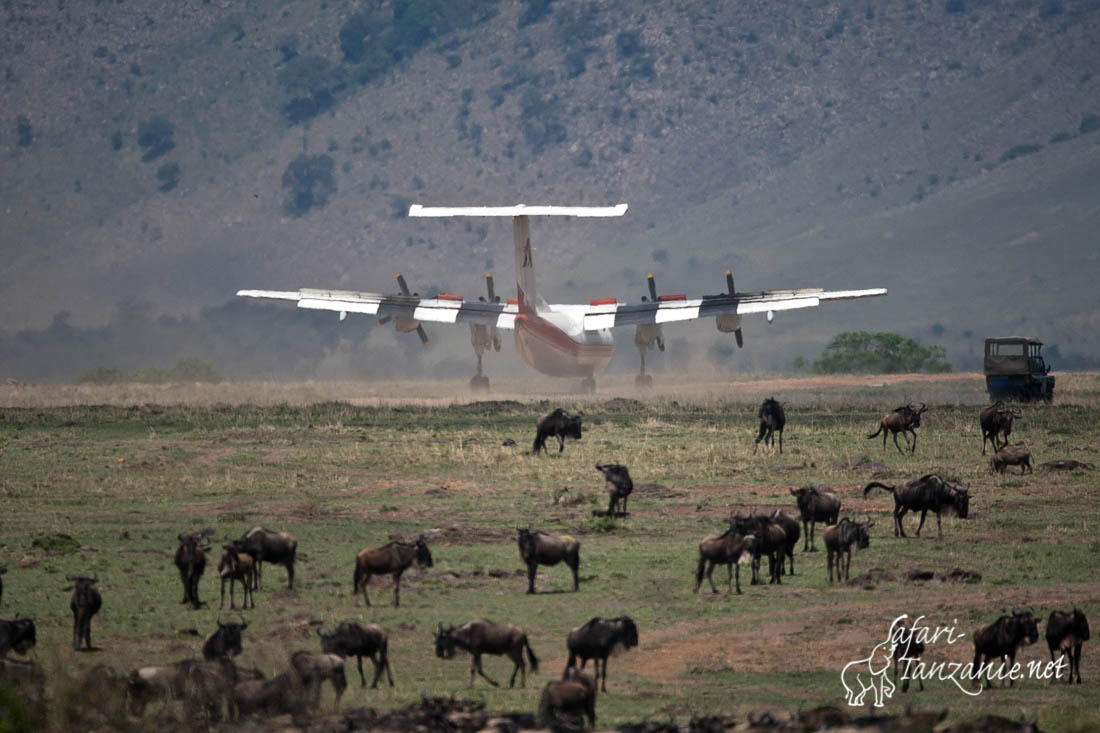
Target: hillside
157 158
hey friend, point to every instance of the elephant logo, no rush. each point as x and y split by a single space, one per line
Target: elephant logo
871 673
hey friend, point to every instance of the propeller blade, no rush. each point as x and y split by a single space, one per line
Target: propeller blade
423 336
740 339
402 284
652 288
489 286
729 282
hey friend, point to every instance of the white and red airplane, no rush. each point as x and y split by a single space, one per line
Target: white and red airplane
559 340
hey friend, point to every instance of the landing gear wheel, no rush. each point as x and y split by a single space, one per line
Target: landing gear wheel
479 384
643 381
588 385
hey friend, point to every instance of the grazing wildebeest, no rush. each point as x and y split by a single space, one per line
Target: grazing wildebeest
815 505
1002 638
392 559
1066 632
237 565
619 486
839 539
772 420
225 641
771 540
542 548
277 548
790 527
904 420
996 420
191 562
731 549
313 669
85 603
908 648
1011 455
482 636
566 702
924 494
280 695
558 423
17 634
351 638
599 639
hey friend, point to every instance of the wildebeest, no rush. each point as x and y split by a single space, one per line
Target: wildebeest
566 702
85 603
351 638
17 634
191 562
791 529
1002 638
924 494
597 640
731 549
558 423
772 420
815 505
1011 455
225 641
542 548
96 700
237 565
771 540
277 548
280 695
25 681
482 636
1066 632
392 559
204 687
839 539
909 647
313 669
904 420
619 486
996 420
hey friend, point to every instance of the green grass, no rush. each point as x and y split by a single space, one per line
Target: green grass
124 481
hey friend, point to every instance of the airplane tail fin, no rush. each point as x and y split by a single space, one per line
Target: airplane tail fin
526 292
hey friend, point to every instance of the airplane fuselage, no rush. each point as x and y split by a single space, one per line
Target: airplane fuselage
555 343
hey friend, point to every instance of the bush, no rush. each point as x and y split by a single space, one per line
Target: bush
1019 151
533 12
24 131
1089 123
956 7
310 180
155 136
542 120
879 353
169 176
116 140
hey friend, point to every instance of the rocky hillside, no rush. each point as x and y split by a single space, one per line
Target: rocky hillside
161 156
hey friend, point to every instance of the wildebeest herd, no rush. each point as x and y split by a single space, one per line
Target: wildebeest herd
215 687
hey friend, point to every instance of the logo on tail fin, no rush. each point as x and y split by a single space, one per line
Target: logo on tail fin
527 254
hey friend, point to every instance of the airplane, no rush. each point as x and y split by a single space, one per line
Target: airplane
559 340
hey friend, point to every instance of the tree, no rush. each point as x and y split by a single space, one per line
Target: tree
879 353
310 180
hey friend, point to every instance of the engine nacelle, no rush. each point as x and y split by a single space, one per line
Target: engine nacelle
727 322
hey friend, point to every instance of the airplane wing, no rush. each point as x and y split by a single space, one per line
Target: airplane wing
443 308
607 313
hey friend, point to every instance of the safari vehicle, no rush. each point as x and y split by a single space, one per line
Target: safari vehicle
1014 369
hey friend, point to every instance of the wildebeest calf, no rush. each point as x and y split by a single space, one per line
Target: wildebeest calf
351 638
17 634
566 702
1011 455
839 539
1066 632
482 636
237 565
597 640
542 548
392 559
1002 638
558 423
772 420
85 603
619 486
731 549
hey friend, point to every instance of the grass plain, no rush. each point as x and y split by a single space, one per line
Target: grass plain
124 476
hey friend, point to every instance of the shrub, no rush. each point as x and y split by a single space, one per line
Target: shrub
629 43
1089 123
116 140
168 176
533 12
1019 151
24 131
155 136
879 353
581 27
310 180
956 7
542 120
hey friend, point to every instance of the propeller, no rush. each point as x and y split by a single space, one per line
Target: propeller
737 332
405 324
493 297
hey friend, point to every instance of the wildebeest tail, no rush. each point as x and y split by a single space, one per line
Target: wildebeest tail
355 578
881 427
874 484
699 571
531 658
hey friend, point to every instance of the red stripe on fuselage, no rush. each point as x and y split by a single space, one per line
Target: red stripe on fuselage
547 348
